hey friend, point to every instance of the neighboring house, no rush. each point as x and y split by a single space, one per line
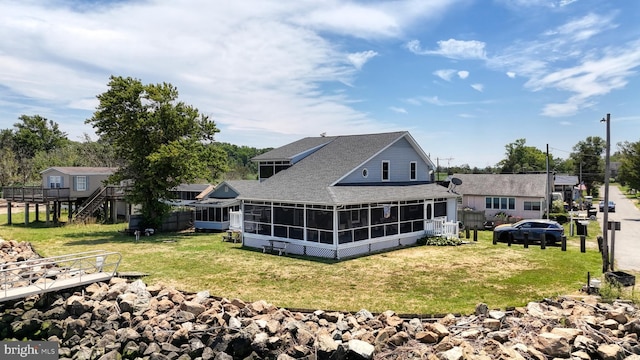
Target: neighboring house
81 189
518 195
336 196
186 194
81 181
566 184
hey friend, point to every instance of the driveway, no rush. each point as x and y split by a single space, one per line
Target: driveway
627 246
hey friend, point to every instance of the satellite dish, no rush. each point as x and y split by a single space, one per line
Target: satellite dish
453 183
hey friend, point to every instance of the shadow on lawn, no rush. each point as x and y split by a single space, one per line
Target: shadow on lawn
105 237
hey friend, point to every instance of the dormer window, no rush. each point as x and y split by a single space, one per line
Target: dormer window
413 171
385 170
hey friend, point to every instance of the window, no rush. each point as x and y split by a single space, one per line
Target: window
365 173
500 203
55 181
81 183
385 170
413 173
532 205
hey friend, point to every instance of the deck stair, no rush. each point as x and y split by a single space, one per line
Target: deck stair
93 202
38 276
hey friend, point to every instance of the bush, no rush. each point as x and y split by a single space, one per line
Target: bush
439 241
560 218
557 206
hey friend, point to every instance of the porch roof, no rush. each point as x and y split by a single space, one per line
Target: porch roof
346 195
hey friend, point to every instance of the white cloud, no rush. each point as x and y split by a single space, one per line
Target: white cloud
462 74
564 59
478 87
360 58
255 67
398 110
452 48
511 74
444 74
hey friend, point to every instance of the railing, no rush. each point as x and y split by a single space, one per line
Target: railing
37 276
92 203
34 193
441 227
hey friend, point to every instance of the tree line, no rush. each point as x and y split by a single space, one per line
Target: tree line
156 142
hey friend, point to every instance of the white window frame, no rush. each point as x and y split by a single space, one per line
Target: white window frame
55 181
83 182
413 171
388 170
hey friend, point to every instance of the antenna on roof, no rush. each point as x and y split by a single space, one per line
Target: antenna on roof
323 134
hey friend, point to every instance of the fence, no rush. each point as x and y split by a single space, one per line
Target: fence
175 221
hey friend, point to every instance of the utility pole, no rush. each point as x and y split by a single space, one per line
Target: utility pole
548 196
607 170
438 166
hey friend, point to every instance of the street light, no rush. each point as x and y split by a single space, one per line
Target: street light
607 169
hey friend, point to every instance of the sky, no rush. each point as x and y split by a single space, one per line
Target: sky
464 77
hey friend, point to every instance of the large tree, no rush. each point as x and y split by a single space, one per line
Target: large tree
162 142
522 159
34 134
588 163
629 172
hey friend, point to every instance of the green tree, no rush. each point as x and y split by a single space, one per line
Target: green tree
162 142
523 159
34 134
629 171
587 160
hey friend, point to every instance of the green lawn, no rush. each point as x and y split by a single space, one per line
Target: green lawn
420 280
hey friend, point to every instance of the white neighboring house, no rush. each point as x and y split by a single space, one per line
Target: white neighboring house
336 197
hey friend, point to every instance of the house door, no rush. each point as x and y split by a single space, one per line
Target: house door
428 210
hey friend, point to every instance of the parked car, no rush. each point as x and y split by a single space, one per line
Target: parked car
612 206
536 230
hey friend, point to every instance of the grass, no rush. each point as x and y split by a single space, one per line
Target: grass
413 280
634 197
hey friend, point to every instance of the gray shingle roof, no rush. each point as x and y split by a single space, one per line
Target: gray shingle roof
530 185
311 179
82 170
289 151
568 180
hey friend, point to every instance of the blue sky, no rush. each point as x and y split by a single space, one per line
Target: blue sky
465 77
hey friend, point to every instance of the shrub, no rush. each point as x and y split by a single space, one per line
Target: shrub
439 241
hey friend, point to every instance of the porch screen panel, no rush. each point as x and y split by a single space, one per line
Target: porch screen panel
384 220
257 219
289 221
440 209
353 224
411 217
320 226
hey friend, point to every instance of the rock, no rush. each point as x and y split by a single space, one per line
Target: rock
552 345
427 337
482 309
360 349
454 353
193 307
610 352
